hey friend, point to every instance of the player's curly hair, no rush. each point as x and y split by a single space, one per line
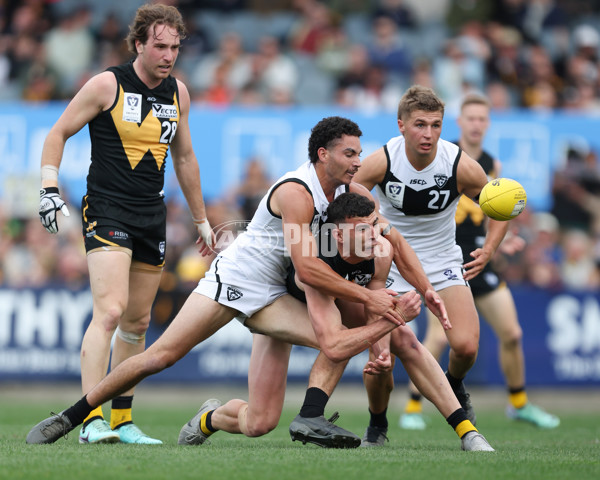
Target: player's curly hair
328 131
150 14
349 205
419 97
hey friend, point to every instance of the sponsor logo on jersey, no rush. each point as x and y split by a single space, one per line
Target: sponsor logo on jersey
161 247
389 282
233 294
118 234
418 181
151 99
160 110
361 278
450 274
132 107
440 179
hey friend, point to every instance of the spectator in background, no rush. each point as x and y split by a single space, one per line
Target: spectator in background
475 11
333 54
386 50
69 49
538 264
274 73
356 70
396 10
455 73
576 191
531 17
499 96
313 27
541 85
109 42
377 94
578 268
505 64
248 194
229 68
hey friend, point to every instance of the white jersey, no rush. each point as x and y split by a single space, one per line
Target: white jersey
260 252
421 204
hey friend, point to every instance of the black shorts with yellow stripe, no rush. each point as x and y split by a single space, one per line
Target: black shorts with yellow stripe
108 225
487 281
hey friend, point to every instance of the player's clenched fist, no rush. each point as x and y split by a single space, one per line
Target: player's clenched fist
50 203
408 305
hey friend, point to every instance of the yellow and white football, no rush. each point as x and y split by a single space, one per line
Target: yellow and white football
502 199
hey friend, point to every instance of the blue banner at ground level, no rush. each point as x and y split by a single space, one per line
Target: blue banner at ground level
41 332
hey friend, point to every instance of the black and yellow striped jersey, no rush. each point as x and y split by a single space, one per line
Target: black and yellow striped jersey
131 139
469 217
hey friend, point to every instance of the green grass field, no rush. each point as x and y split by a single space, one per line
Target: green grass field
570 452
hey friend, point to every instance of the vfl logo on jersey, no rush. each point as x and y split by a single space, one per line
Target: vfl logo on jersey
389 282
164 111
132 107
233 294
361 279
161 247
394 191
450 274
440 180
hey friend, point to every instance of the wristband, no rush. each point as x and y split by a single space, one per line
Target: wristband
44 191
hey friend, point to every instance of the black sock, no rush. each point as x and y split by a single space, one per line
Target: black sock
314 403
77 413
122 402
209 421
417 397
378 419
456 417
453 381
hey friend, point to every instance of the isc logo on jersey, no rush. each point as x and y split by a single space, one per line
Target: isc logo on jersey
164 111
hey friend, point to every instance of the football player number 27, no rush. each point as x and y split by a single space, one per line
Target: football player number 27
439 199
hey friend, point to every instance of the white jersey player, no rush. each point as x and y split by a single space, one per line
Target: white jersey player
421 204
420 179
251 272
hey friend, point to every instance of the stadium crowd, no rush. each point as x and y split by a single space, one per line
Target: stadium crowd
536 54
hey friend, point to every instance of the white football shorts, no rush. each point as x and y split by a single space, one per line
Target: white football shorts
227 284
443 270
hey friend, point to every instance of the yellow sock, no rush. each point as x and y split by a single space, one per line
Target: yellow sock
413 406
119 416
96 412
518 399
464 427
